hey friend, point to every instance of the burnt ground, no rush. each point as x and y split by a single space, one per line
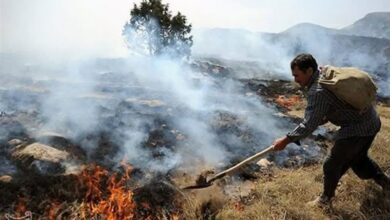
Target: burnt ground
51 173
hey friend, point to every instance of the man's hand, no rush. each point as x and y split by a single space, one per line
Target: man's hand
281 143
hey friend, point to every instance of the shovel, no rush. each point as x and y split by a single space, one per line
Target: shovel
203 182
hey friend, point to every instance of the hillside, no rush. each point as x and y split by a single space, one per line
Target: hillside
309 27
372 25
363 44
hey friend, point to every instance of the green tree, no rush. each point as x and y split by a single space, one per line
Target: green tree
153 30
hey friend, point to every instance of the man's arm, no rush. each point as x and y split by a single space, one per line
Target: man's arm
315 113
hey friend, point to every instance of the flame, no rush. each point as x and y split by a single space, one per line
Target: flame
287 102
116 202
106 195
91 179
21 207
239 207
55 206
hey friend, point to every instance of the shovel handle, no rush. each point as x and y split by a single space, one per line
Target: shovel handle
237 166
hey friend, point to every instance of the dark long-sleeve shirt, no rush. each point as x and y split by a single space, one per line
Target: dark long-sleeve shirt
323 106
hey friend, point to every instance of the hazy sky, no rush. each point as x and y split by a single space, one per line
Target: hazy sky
93 27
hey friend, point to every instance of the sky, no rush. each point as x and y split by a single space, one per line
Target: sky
93 27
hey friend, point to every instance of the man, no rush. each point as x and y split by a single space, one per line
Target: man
353 140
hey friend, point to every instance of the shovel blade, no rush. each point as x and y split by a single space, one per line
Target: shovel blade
198 186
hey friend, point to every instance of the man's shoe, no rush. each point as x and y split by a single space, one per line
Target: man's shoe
322 202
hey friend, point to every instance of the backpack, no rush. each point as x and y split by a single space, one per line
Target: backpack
349 84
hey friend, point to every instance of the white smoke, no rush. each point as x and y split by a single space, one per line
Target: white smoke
384 88
78 96
190 100
200 98
66 108
271 53
242 45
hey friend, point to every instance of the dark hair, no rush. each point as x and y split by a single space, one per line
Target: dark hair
304 61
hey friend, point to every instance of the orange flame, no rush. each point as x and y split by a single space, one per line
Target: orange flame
107 196
287 102
116 202
53 210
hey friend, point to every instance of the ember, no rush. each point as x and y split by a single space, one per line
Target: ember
21 209
55 207
239 207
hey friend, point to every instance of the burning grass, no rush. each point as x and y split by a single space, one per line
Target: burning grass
95 193
100 192
117 203
288 102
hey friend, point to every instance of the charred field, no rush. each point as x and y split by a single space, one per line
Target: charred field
117 145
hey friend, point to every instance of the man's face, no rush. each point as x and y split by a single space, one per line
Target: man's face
301 77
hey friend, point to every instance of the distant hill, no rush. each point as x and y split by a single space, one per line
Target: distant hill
365 43
308 27
375 24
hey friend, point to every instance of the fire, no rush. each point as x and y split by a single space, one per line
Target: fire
116 201
52 213
102 194
238 206
21 208
92 178
287 102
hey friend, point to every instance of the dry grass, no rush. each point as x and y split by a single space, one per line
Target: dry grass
285 197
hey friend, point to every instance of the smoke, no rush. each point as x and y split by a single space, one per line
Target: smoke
191 102
66 109
157 112
271 53
127 103
242 45
384 88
